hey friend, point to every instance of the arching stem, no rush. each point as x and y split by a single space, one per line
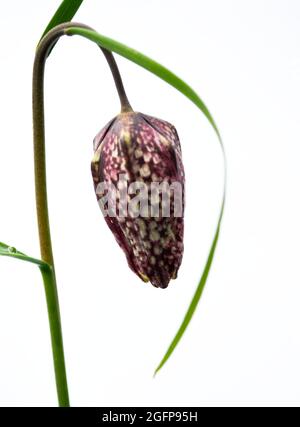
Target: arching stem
42 53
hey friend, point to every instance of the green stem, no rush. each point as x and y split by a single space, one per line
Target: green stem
43 222
43 50
56 336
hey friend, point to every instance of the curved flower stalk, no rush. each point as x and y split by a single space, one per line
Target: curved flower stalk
122 137
44 48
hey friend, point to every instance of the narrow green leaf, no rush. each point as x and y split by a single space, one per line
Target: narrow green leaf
169 77
12 252
64 13
196 298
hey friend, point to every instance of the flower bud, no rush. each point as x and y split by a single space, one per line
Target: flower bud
139 182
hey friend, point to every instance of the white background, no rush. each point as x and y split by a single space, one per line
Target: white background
243 345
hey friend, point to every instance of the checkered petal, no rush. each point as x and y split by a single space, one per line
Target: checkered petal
139 177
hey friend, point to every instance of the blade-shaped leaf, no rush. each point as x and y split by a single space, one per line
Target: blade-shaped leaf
169 77
196 298
64 13
12 252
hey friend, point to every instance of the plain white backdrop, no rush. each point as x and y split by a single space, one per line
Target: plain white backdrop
243 345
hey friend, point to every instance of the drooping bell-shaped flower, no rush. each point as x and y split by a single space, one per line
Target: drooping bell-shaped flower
139 182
